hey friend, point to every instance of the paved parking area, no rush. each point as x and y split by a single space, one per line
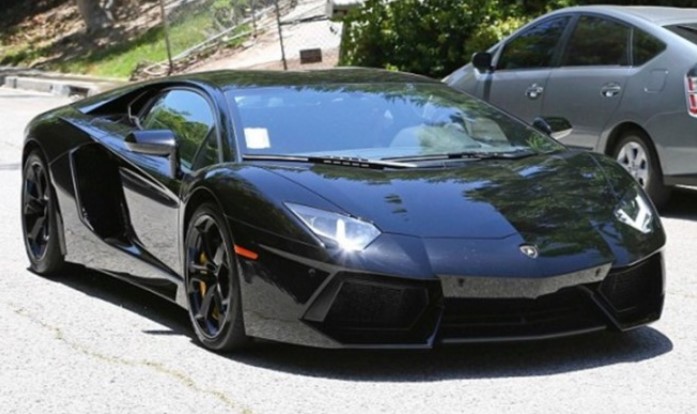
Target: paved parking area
85 343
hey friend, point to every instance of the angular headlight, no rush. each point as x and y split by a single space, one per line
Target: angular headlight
635 211
347 232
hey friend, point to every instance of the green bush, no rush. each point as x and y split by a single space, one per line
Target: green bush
431 37
487 35
435 37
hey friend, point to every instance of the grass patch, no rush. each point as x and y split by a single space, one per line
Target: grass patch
119 60
189 26
18 54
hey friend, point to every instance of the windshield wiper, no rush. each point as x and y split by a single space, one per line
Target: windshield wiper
329 160
687 28
473 155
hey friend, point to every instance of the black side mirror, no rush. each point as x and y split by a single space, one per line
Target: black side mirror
482 61
160 142
554 126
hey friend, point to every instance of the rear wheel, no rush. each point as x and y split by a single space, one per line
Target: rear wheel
212 283
39 217
635 153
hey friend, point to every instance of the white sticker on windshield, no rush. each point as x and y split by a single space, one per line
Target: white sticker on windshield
257 138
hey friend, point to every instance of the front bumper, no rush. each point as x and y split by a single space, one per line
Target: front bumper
358 310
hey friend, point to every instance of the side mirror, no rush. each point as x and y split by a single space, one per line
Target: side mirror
554 126
160 142
482 61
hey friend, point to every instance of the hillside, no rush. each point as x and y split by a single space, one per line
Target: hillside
51 35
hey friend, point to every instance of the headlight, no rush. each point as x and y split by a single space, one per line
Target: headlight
634 211
347 232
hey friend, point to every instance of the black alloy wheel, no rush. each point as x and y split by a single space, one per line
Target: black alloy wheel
39 217
212 283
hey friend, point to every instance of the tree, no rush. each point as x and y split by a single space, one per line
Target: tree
95 14
430 37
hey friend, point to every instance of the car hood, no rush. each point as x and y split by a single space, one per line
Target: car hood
561 203
477 199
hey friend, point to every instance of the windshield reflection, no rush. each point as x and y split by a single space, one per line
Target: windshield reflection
376 121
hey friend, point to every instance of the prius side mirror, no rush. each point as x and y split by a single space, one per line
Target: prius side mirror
482 61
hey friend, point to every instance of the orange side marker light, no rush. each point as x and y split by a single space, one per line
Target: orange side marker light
247 254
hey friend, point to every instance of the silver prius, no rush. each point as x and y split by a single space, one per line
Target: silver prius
625 77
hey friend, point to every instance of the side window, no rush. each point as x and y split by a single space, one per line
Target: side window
645 47
598 42
535 47
208 153
188 115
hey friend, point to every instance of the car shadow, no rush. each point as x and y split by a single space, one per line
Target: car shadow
120 293
681 204
470 361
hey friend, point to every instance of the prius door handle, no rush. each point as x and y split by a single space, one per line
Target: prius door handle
534 91
610 90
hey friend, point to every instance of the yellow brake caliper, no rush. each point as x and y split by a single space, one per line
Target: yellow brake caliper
202 285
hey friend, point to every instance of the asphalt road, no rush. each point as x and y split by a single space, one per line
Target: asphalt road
84 343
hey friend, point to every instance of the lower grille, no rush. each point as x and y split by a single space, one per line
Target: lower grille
360 309
359 305
635 293
569 310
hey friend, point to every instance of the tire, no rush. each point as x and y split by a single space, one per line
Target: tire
40 217
212 282
635 153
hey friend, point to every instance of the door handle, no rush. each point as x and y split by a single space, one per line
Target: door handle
534 91
611 89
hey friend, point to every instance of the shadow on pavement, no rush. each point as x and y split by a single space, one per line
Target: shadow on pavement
127 296
474 361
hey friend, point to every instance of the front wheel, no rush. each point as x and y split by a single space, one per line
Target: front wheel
212 282
39 217
636 155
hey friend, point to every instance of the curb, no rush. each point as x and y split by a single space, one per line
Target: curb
56 83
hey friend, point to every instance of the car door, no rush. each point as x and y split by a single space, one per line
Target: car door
522 67
588 85
153 198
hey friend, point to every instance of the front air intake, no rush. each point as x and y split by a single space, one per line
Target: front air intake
356 309
635 293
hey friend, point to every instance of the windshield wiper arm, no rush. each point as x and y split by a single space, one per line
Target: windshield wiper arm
473 155
687 28
329 160
506 155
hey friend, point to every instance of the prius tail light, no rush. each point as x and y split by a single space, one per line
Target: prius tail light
691 91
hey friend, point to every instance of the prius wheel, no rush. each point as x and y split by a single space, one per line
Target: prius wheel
39 214
637 156
212 283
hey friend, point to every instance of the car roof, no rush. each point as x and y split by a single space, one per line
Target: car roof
238 79
660 16
231 79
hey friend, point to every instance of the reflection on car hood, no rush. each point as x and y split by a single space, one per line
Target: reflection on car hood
562 203
480 200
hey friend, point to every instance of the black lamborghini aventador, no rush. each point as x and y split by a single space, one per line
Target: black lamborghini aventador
343 208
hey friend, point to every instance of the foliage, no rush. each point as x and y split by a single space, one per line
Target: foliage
434 37
423 36
118 51
120 59
486 35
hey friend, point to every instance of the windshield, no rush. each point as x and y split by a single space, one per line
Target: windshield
376 121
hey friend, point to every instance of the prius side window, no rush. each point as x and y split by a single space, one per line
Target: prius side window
645 47
188 115
598 42
534 48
